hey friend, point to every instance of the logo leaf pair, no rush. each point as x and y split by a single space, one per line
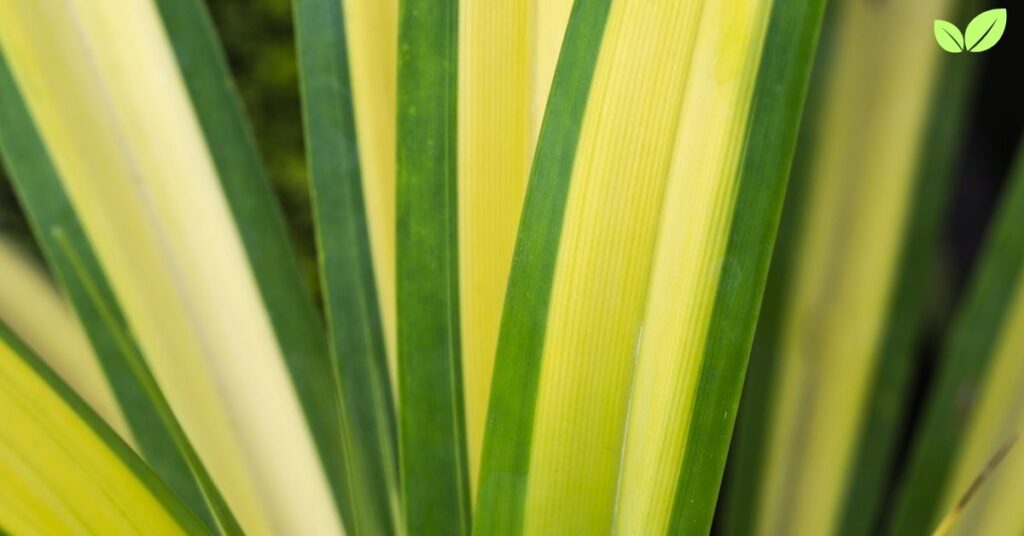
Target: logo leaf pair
982 33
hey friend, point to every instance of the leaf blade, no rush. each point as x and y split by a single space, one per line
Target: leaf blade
550 409
32 306
969 355
495 131
777 106
887 412
64 459
59 234
432 441
354 320
822 374
505 457
260 226
148 188
373 60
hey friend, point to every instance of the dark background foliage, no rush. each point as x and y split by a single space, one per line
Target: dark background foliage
259 42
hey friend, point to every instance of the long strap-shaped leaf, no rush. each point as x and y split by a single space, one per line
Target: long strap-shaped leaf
506 56
640 170
771 136
506 452
33 308
883 404
495 140
347 271
974 408
261 228
505 67
64 470
153 425
851 234
164 178
373 64
435 482
886 407
744 468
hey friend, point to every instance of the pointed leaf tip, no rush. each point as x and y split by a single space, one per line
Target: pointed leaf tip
949 37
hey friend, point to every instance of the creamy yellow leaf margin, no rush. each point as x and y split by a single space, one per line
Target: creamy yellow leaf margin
965 464
507 54
33 308
642 124
997 421
147 193
372 37
627 235
859 200
65 471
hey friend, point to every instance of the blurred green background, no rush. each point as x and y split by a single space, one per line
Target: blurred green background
258 39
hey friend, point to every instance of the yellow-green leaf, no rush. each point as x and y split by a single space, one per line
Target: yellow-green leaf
32 307
975 406
506 61
160 169
847 240
63 469
651 206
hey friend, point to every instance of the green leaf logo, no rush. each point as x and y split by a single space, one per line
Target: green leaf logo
982 33
985 30
949 36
